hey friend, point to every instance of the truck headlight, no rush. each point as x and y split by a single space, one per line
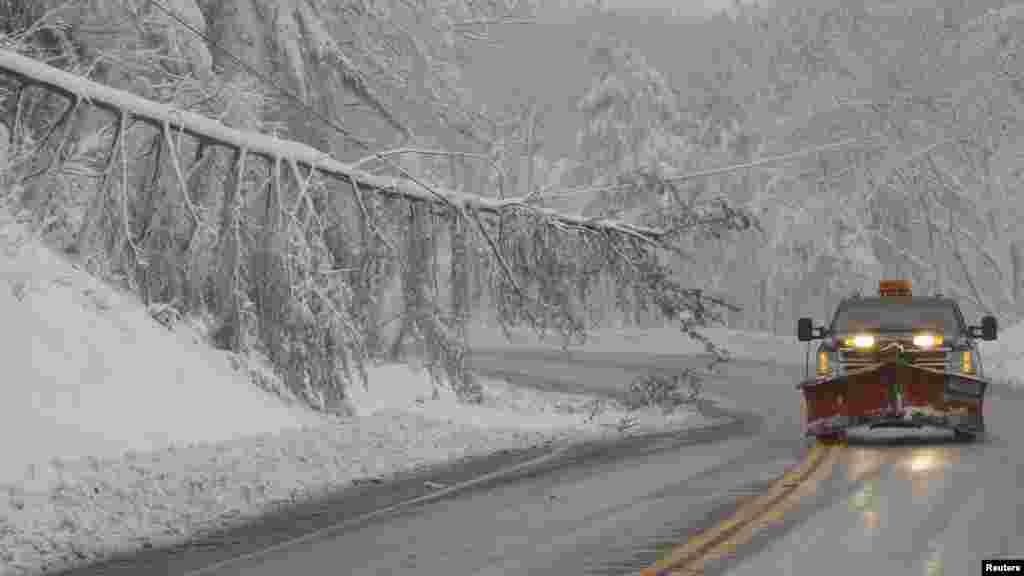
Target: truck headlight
861 341
927 340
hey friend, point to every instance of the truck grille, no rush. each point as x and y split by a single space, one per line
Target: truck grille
929 359
935 359
857 358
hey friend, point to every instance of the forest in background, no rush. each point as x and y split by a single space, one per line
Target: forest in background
904 116
927 94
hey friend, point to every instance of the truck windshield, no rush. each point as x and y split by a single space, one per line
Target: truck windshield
895 316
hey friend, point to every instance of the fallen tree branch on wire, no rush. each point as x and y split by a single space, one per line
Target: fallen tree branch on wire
303 257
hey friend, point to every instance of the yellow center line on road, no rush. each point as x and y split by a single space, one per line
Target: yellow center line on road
774 514
707 542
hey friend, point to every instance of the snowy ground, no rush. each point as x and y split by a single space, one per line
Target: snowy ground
88 372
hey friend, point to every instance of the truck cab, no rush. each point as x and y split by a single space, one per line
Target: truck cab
895 360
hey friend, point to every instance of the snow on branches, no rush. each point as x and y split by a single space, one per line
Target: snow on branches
311 259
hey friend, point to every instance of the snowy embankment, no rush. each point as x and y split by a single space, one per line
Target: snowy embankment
120 432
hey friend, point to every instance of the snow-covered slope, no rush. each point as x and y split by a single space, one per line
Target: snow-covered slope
117 432
88 372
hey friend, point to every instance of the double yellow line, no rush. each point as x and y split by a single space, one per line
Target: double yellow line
784 495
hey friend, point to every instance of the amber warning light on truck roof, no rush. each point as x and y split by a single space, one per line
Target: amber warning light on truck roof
894 288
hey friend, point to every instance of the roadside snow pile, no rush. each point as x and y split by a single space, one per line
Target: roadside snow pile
759 346
120 433
1004 358
88 509
99 507
88 372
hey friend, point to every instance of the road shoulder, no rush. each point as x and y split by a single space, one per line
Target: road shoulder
78 513
368 500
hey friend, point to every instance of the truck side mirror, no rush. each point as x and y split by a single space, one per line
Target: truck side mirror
805 329
989 328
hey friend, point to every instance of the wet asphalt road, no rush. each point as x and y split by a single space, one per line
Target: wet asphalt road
613 510
878 506
904 506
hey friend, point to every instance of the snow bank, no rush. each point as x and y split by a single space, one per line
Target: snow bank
87 371
88 509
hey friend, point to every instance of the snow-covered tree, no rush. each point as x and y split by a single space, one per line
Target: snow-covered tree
292 253
631 121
